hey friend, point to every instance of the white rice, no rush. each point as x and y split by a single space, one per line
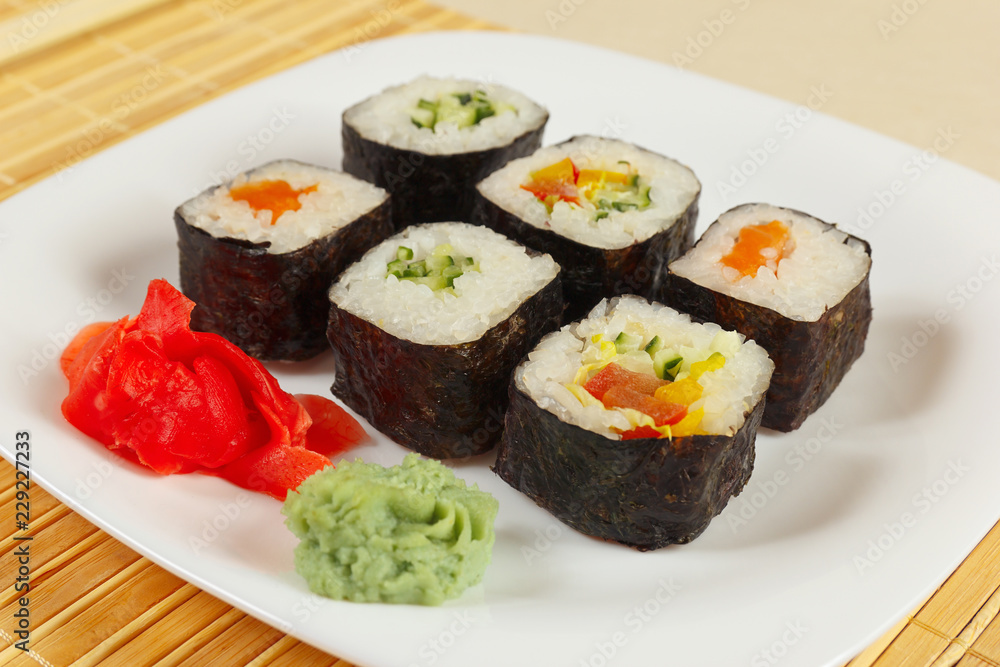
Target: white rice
338 200
729 392
385 118
824 266
507 277
673 187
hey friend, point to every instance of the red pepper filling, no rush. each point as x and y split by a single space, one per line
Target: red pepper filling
663 413
618 387
614 375
554 183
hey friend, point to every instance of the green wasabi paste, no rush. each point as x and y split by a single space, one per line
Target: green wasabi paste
412 533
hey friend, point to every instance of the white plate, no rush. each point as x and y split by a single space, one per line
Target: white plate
845 525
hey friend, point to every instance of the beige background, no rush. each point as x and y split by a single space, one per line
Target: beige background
904 68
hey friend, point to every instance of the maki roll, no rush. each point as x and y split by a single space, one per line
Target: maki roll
612 214
793 283
258 254
428 142
635 425
427 327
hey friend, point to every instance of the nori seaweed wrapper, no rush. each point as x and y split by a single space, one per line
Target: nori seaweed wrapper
645 493
810 358
273 307
443 401
590 273
425 187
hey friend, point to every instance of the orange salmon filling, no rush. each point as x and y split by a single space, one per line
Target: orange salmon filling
275 196
757 246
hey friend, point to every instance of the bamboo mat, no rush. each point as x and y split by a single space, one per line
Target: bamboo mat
64 98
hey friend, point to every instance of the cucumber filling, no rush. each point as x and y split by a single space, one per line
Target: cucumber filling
460 109
438 270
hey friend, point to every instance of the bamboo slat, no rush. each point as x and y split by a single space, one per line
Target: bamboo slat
277 649
915 646
974 661
172 638
987 645
114 75
47 23
97 89
973 584
972 631
161 607
102 618
302 655
238 644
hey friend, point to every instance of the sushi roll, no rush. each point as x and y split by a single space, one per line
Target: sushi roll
258 254
427 327
428 142
612 214
635 425
793 283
